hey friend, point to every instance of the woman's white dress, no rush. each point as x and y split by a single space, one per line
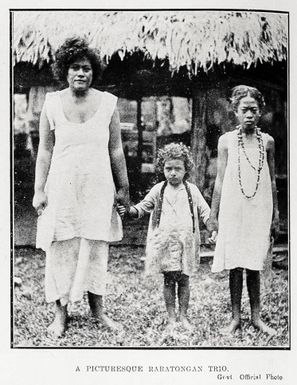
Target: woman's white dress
81 216
244 224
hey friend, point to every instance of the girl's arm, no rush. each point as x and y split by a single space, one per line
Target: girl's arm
138 210
146 205
130 211
44 156
271 164
117 160
143 207
212 224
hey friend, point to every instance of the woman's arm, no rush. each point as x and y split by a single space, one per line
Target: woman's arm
271 164
44 156
202 208
117 159
212 224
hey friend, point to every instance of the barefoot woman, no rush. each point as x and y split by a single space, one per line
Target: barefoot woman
79 154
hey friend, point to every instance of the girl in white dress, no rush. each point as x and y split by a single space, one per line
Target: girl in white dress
244 206
173 238
80 174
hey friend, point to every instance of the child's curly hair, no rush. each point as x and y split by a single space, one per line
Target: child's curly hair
72 49
175 151
242 91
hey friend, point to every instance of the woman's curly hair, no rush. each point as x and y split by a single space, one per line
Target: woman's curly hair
242 91
175 151
72 49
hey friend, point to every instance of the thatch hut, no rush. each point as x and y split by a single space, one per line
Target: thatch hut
184 53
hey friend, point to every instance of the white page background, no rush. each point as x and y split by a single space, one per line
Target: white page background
57 366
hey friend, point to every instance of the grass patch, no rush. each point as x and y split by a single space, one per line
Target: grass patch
137 303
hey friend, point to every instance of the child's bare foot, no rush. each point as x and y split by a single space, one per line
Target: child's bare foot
185 323
170 326
108 322
169 329
259 324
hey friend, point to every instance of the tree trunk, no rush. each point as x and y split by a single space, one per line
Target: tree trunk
198 137
165 115
140 136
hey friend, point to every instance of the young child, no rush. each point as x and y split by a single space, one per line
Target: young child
244 205
173 235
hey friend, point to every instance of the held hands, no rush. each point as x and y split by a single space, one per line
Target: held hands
213 239
122 197
127 211
121 209
212 226
122 201
39 202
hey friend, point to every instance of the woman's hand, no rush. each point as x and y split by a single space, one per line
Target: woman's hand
121 210
39 202
129 211
213 239
212 225
122 197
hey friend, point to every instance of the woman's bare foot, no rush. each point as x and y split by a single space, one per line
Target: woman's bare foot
57 328
59 324
259 324
185 323
97 309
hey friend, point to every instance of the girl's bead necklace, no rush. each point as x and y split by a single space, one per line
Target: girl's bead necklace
241 146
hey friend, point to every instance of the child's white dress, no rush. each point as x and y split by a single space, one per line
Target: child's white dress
172 246
244 224
81 217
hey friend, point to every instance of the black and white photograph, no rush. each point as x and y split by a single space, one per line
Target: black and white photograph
150 192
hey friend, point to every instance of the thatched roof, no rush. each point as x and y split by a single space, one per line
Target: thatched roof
189 39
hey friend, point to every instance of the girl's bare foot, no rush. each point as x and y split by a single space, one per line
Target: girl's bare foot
170 326
185 323
233 327
259 324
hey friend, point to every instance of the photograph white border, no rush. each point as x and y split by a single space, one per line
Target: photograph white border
46 366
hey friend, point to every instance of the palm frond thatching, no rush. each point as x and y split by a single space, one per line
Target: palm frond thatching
194 39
